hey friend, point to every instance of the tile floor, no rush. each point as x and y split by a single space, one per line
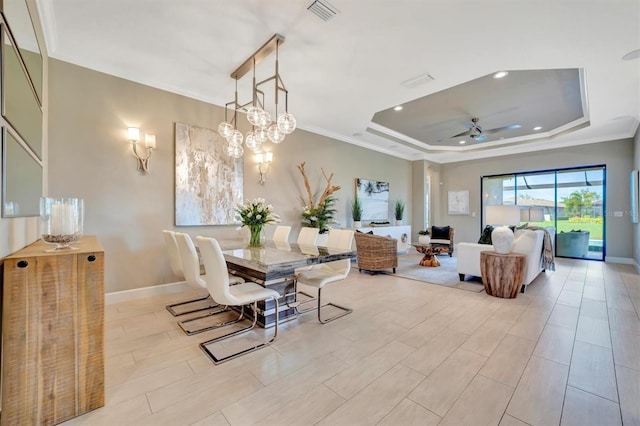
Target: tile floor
566 352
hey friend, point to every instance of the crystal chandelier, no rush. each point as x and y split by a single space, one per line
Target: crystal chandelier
263 127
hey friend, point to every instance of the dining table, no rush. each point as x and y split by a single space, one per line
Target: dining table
274 266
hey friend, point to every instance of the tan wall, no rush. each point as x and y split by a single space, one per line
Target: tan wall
90 158
617 155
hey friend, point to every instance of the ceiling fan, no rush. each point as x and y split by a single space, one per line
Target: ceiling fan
476 133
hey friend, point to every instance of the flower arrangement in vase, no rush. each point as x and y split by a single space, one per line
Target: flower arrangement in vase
254 215
318 215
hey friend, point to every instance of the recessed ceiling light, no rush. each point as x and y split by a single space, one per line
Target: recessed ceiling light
500 74
634 54
537 128
398 108
462 142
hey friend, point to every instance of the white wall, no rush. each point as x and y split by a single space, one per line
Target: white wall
90 158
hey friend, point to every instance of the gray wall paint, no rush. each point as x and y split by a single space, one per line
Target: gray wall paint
617 155
90 158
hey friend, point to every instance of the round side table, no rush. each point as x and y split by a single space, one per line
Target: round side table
502 274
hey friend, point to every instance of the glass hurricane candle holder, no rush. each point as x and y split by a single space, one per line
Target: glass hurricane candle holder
61 221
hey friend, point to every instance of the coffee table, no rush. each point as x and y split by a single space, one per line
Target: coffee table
429 252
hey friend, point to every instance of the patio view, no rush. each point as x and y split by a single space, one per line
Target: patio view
571 200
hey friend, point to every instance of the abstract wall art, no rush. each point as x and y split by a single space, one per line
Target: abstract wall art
208 182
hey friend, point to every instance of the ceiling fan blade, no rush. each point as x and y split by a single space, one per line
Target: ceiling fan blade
501 129
480 138
467 133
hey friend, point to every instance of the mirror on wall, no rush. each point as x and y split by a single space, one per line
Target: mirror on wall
20 106
21 179
17 15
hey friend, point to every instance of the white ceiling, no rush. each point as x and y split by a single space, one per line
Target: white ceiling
340 73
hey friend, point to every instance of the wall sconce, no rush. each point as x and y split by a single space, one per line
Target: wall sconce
149 143
264 160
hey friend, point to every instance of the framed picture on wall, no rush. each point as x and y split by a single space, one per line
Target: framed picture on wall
209 183
458 202
374 196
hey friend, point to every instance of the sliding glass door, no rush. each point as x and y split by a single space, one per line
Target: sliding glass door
571 200
580 224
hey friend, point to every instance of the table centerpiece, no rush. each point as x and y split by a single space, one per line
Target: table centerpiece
254 215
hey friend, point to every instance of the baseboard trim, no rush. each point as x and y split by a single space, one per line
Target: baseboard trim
624 260
143 292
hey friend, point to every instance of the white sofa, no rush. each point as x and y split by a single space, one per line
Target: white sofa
527 242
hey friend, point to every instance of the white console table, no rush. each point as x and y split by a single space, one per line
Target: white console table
401 233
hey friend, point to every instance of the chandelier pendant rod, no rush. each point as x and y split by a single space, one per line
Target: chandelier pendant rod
264 51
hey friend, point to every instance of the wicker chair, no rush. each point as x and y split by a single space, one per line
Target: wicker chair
376 253
438 240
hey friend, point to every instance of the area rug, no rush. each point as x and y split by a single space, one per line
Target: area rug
445 274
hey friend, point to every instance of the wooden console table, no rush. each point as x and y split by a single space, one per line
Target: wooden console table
52 333
502 274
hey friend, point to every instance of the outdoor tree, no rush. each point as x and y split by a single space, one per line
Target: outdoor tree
579 202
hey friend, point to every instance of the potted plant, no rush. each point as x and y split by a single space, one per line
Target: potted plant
319 215
424 237
399 211
356 212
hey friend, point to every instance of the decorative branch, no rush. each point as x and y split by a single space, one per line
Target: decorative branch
329 189
307 186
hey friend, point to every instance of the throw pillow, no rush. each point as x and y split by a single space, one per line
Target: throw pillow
439 232
360 232
485 238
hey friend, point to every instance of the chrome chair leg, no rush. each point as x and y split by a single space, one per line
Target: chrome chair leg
346 310
188 332
173 308
218 360
299 304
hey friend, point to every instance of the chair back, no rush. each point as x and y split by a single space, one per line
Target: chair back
174 255
281 234
189 258
307 236
218 281
340 239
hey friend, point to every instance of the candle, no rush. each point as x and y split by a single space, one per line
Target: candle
62 219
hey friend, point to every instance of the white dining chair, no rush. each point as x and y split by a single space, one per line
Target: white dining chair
237 295
307 243
191 270
191 305
281 234
322 274
307 236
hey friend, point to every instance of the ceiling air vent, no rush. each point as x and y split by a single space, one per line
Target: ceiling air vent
323 10
417 80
